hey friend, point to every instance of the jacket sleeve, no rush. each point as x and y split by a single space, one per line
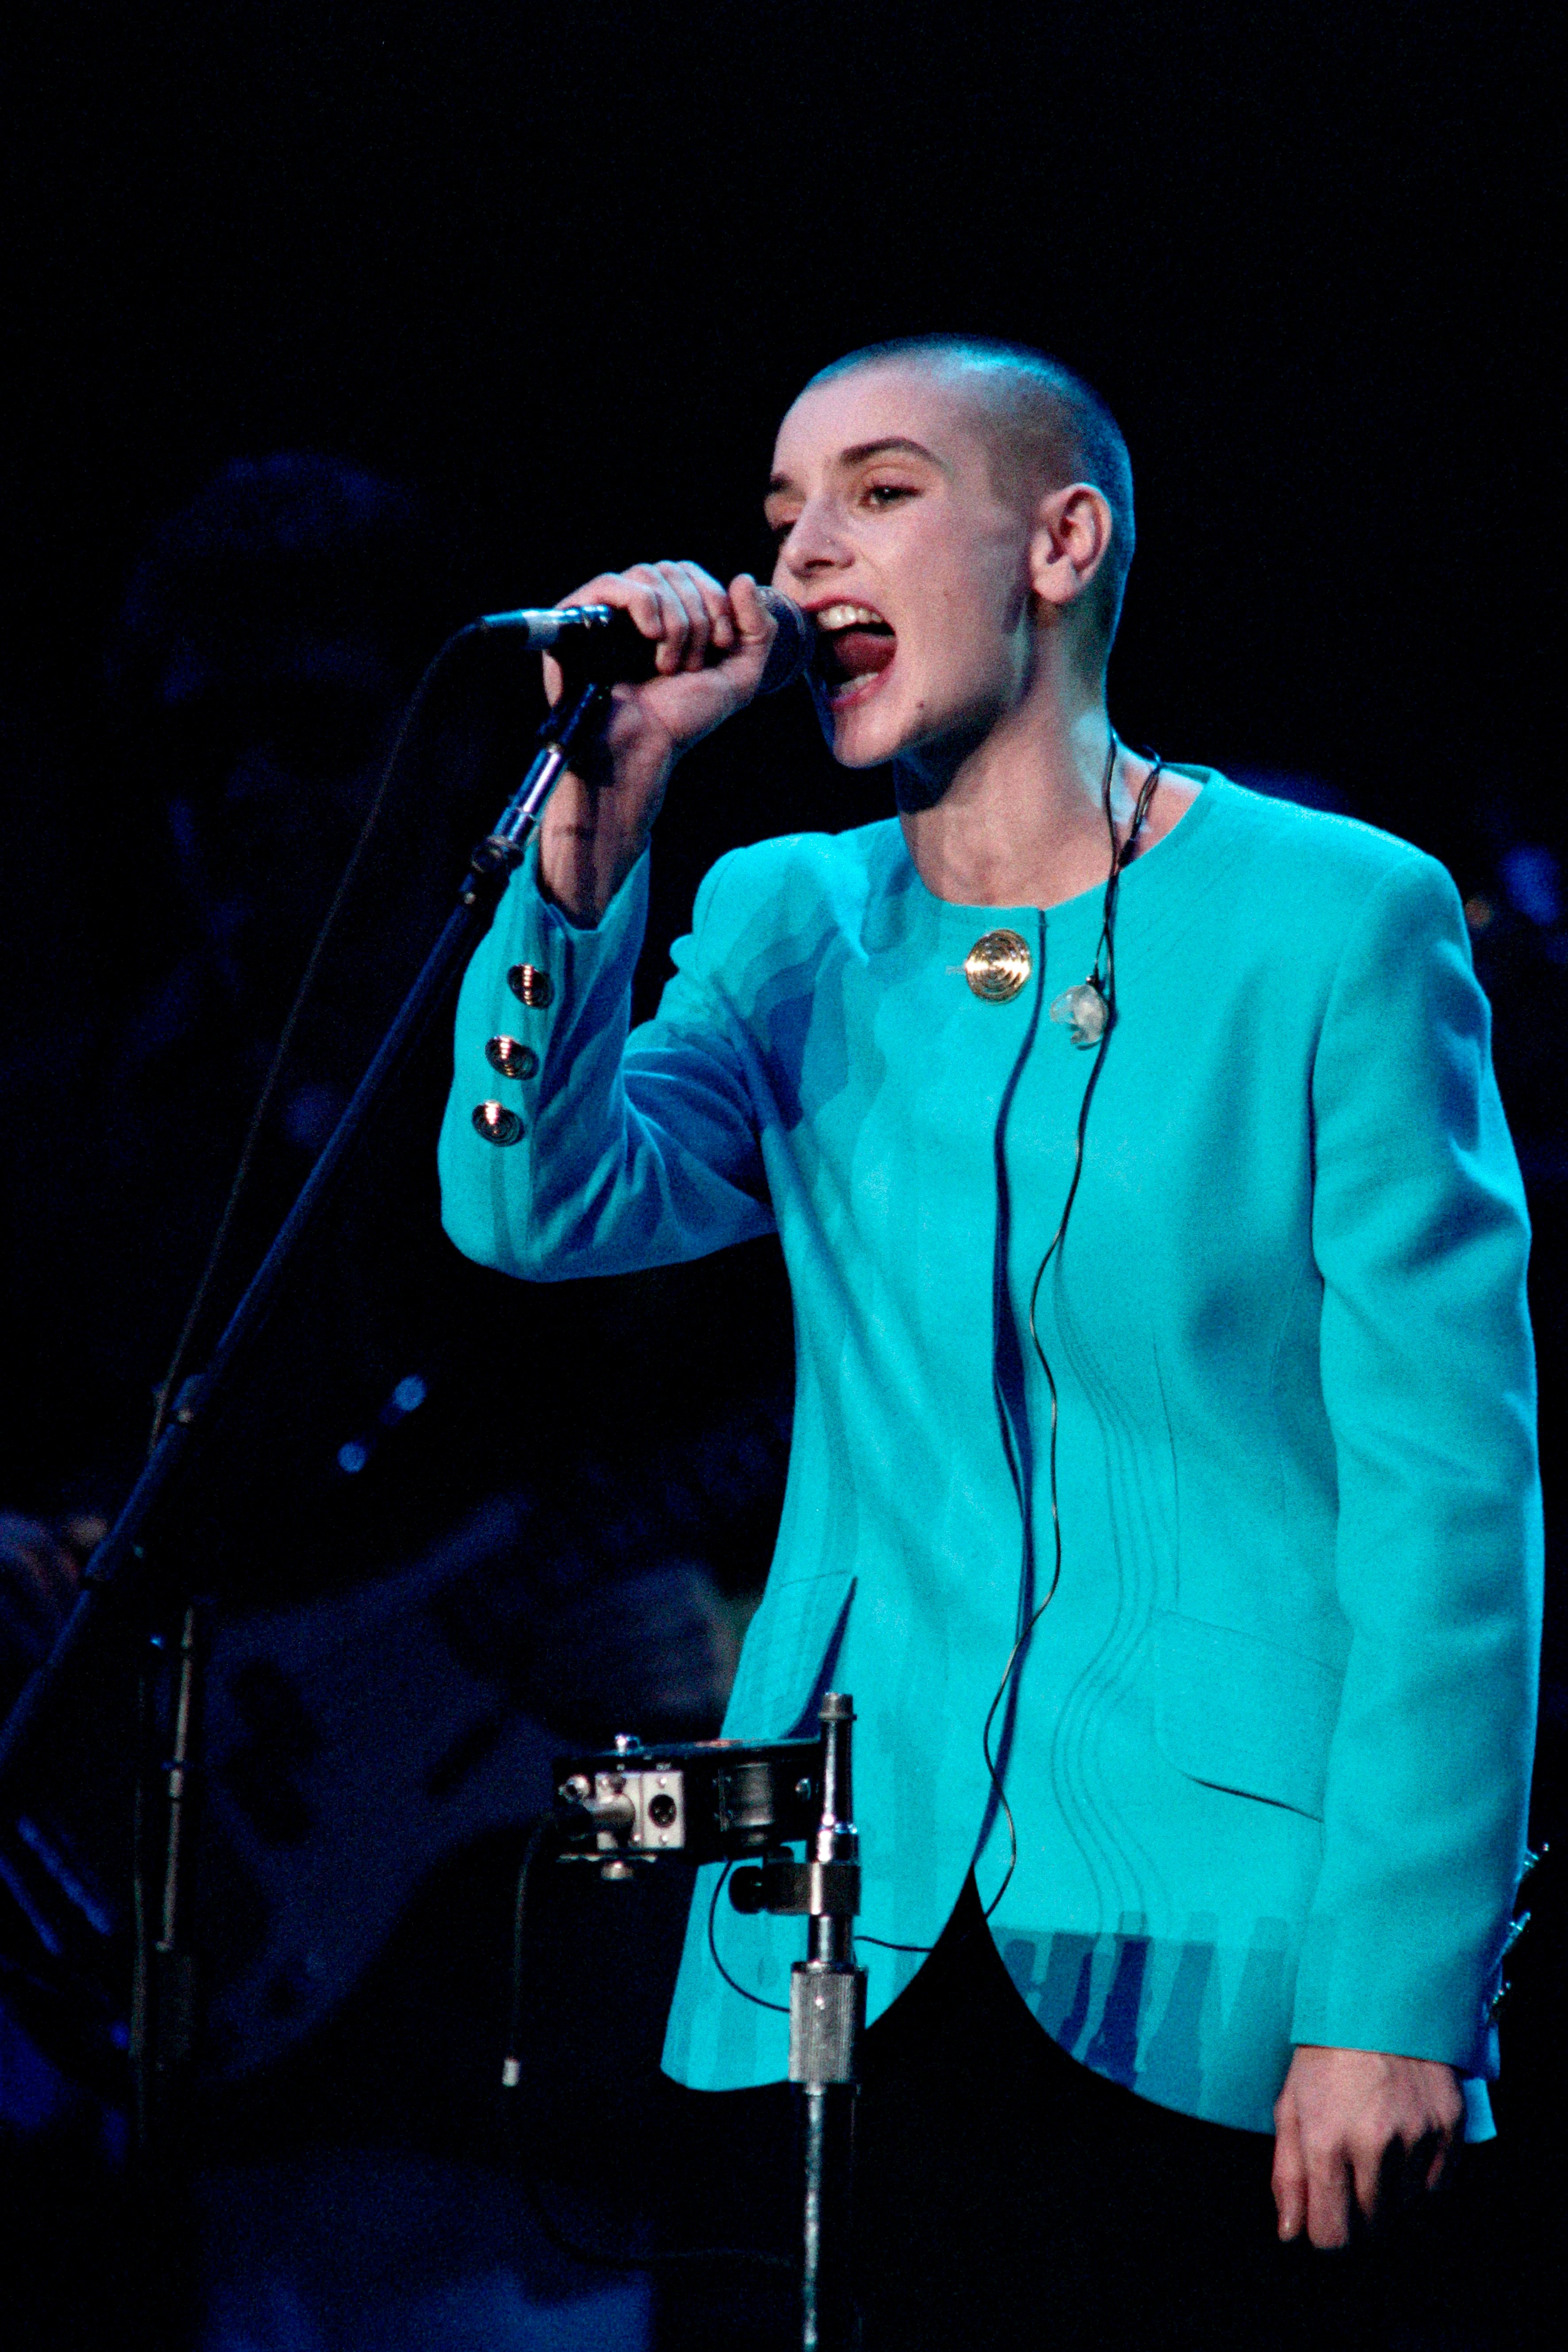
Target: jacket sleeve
611 1153
1420 1233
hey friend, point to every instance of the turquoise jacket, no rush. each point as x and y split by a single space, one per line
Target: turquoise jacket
1270 1749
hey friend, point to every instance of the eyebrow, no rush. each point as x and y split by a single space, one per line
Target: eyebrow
892 444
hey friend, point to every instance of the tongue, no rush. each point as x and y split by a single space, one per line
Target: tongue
859 653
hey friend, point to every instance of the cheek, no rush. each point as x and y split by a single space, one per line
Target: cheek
973 600
964 652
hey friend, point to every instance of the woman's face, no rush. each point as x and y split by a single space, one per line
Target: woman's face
893 534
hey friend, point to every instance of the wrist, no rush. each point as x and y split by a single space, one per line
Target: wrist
594 833
580 873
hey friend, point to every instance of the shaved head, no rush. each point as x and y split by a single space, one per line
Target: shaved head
1045 427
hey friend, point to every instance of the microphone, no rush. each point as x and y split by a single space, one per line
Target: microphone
601 641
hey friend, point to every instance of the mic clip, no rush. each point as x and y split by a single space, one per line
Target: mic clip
1083 1011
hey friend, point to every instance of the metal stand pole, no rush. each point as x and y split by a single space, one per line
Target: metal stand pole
718 1801
165 1991
122 1593
165 2005
118 1572
827 2017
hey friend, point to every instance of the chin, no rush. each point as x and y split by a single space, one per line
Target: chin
859 738
858 755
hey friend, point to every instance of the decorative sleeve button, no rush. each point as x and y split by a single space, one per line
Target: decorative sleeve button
495 1123
511 1057
531 986
997 966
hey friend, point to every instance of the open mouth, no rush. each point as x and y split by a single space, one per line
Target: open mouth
854 649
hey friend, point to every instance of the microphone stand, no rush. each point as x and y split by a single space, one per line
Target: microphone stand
827 2018
122 1589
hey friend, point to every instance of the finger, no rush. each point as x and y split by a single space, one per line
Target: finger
1289 2176
1431 2160
635 591
679 581
755 622
661 613
720 621
1381 2176
642 593
706 603
624 592
1329 2192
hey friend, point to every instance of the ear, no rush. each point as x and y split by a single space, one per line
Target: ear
1070 542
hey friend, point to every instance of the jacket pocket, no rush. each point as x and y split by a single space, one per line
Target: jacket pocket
787 1645
1242 1714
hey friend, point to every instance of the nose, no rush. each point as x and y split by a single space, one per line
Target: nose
813 544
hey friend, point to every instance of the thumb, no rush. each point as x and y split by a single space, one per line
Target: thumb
754 624
1289 2176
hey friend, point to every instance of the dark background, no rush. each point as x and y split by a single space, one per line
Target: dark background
560 270
564 268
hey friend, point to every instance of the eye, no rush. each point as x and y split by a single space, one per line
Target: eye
881 496
781 526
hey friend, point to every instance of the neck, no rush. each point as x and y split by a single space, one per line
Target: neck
1015 818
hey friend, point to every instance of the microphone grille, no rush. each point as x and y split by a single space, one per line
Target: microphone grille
791 649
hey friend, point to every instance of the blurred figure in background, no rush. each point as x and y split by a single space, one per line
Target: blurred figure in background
407 1434
270 637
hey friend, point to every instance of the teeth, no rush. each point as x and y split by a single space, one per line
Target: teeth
848 616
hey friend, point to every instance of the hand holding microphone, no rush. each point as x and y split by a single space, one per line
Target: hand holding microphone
605 642
711 649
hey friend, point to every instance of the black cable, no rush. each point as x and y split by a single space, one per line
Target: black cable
165 1392
511 2066
139 2047
778 2006
1120 852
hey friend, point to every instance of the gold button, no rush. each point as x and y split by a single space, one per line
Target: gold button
511 1057
495 1123
997 966
531 986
